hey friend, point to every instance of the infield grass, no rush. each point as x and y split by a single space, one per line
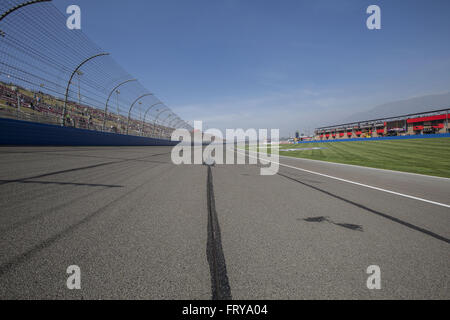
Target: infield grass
423 156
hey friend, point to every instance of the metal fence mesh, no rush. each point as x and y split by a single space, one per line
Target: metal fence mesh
38 55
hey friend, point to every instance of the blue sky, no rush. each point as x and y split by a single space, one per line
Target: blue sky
287 64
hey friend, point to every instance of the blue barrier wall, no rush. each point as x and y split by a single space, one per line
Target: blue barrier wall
425 136
22 133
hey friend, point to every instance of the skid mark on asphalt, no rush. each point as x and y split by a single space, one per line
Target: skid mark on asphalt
59 172
384 215
63 205
65 183
214 251
316 219
22 258
63 149
79 169
85 156
354 183
350 226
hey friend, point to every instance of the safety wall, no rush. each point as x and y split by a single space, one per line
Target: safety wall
22 133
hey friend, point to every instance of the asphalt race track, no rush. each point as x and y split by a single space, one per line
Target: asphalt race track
140 227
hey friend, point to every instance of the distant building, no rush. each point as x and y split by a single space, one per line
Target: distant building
431 122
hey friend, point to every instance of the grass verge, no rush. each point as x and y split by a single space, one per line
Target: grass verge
422 156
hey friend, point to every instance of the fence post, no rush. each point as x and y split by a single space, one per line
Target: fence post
156 120
131 108
145 115
63 122
109 97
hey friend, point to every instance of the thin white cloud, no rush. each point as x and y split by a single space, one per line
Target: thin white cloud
287 111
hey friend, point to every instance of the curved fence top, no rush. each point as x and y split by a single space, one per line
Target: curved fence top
38 55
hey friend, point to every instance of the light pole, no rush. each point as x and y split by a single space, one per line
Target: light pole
131 108
79 74
140 114
157 118
116 89
16 90
118 110
41 98
163 129
145 115
63 121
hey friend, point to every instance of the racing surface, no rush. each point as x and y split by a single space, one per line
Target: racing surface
140 227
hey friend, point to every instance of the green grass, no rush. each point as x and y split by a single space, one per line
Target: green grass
423 156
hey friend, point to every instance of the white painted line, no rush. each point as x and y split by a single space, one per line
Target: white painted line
354 183
363 167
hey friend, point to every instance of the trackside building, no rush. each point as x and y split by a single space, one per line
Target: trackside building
431 122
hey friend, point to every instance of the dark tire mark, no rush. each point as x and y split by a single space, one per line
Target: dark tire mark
22 258
350 226
316 219
95 185
52 210
80 169
381 214
219 279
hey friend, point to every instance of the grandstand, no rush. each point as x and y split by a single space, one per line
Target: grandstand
43 108
430 122
50 74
